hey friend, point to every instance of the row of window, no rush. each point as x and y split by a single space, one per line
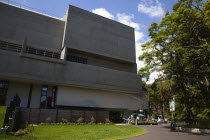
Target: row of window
43 53
76 59
47 100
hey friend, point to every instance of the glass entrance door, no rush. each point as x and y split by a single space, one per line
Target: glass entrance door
3 92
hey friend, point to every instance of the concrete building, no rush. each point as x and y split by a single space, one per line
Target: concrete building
82 61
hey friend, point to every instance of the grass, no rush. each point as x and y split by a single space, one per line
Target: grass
200 126
2 115
78 132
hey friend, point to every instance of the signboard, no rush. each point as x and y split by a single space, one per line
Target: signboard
172 104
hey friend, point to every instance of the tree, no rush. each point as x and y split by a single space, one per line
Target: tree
179 48
159 95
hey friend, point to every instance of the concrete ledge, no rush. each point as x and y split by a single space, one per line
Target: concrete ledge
193 130
59 61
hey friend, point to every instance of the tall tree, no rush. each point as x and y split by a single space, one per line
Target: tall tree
179 48
159 95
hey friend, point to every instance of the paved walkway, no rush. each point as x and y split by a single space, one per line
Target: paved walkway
163 132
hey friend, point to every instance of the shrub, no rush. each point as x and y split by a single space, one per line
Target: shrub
80 120
23 125
107 120
92 120
30 128
144 123
64 120
2 115
20 132
48 120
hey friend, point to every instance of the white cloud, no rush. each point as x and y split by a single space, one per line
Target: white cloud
138 52
153 8
127 20
103 12
138 36
153 76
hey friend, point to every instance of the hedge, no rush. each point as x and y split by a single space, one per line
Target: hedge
144 123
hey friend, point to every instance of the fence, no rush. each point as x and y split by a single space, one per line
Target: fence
36 116
10 46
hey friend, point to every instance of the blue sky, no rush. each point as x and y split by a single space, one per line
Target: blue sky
135 13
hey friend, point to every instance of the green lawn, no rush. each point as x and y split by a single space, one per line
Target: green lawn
78 132
2 114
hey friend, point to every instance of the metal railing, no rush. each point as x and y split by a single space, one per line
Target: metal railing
42 53
10 2
7 116
17 48
10 46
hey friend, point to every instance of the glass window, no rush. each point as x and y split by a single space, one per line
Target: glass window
54 95
76 59
43 100
3 92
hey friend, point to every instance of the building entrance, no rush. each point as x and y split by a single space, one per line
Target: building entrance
3 92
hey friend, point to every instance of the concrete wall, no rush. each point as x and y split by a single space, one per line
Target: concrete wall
22 89
92 33
18 88
36 116
72 96
14 66
84 31
41 31
105 62
35 97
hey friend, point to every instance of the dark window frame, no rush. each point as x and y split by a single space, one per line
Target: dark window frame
43 105
4 86
76 59
54 96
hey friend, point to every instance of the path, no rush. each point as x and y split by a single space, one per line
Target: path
163 132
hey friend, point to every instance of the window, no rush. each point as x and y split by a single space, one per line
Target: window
43 100
3 92
54 95
76 59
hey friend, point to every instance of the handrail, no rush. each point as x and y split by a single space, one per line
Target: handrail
10 46
30 50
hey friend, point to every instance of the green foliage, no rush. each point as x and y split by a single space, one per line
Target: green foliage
159 95
48 120
2 115
80 120
78 132
107 120
179 49
202 124
204 114
92 120
63 120
20 132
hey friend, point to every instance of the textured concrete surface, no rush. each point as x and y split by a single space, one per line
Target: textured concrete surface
108 45
163 132
41 31
76 74
95 34
71 96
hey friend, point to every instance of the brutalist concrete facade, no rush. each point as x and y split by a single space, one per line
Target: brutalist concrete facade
88 58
